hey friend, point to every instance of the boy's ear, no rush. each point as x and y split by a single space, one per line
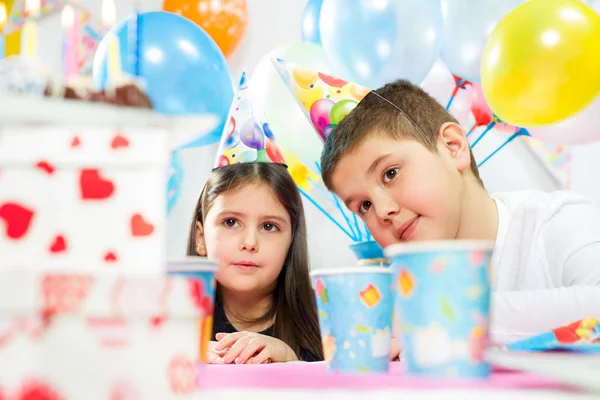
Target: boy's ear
452 140
199 240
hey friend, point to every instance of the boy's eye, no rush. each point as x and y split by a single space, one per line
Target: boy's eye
230 222
270 227
390 174
364 207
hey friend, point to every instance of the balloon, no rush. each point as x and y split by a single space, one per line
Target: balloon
340 110
541 63
184 70
439 83
467 27
252 136
224 20
581 128
320 114
483 113
310 22
271 96
374 42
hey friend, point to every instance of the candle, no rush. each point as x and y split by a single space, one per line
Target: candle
3 18
114 51
32 9
70 59
134 31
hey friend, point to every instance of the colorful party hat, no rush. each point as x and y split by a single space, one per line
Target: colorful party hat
325 100
246 139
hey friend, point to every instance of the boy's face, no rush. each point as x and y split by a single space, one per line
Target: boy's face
403 191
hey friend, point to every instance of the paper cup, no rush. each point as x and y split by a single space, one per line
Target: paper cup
202 272
443 299
355 306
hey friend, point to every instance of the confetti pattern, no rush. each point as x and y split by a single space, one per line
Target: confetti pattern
444 299
355 316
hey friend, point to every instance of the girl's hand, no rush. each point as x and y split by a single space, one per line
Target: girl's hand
214 356
253 348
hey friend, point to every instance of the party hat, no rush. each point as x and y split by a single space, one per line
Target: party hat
325 100
246 139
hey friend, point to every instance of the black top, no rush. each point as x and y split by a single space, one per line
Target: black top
222 325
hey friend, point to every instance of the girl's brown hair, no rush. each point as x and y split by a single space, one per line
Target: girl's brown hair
293 309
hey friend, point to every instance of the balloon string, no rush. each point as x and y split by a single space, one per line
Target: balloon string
360 234
472 129
328 196
520 132
314 203
449 102
487 129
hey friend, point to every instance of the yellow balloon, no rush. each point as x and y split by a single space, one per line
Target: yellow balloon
542 62
308 96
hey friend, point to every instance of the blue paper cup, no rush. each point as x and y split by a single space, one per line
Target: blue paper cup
443 300
201 273
355 307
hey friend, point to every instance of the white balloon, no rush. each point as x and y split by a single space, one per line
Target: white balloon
440 84
581 128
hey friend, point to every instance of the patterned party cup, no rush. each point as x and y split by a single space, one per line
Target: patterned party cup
355 307
201 273
443 298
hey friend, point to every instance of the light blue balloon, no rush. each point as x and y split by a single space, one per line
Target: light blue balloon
184 69
374 42
175 180
310 21
468 25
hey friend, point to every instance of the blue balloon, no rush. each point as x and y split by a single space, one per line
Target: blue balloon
175 180
310 22
467 28
374 42
184 69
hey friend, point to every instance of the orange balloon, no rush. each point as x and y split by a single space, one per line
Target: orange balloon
224 20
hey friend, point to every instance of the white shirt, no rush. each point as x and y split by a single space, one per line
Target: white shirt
546 263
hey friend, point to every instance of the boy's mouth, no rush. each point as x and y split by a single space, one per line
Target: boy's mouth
406 230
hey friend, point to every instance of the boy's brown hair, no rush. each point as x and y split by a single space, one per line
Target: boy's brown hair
400 110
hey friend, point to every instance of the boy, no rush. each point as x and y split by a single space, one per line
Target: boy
402 163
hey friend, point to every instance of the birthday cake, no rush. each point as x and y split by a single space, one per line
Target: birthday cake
27 76
82 237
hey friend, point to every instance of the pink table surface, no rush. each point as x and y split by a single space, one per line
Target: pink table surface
313 376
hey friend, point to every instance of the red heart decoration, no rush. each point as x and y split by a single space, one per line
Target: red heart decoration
17 219
93 186
46 167
139 227
75 142
110 257
119 141
59 244
35 389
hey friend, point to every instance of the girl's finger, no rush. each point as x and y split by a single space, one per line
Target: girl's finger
228 340
254 346
236 349
262 357
212 358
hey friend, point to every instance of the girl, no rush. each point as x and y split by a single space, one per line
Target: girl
250 218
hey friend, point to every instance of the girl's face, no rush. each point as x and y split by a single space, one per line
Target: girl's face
248 232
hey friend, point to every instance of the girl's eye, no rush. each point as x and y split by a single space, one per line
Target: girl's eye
364 207
390 174
270 227
230 222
